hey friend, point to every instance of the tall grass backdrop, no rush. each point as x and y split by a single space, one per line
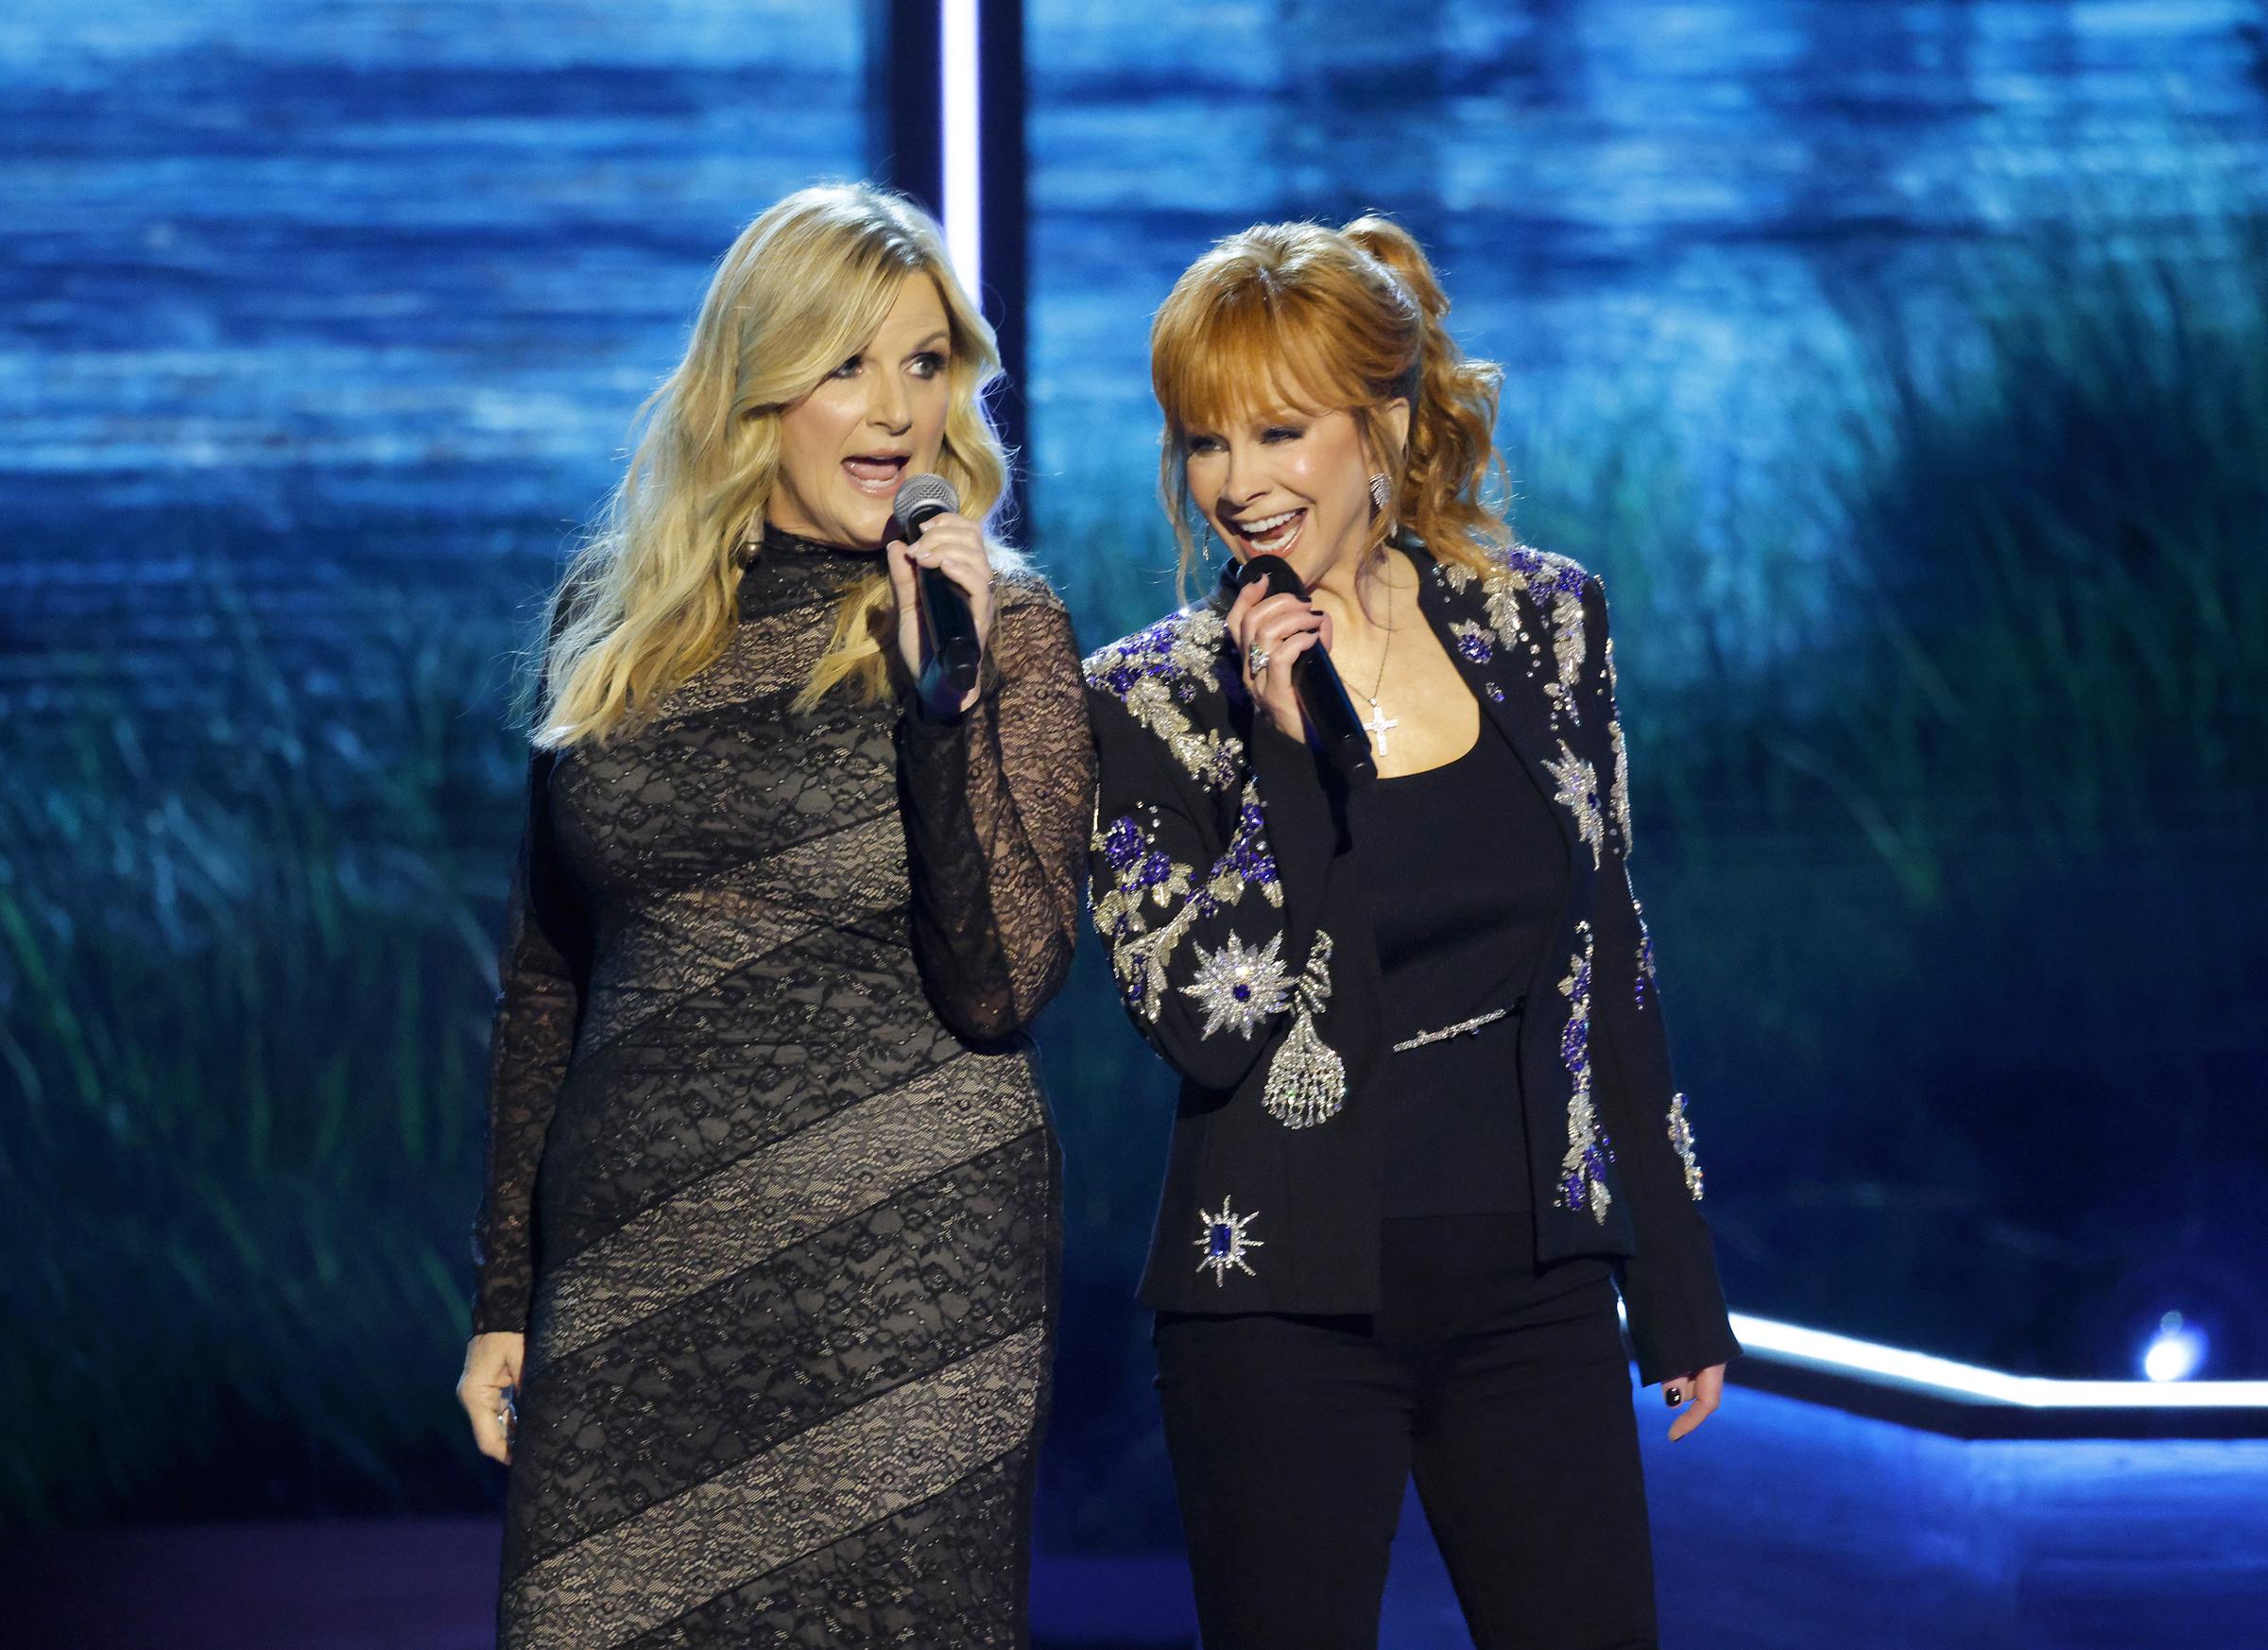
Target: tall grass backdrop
1948 721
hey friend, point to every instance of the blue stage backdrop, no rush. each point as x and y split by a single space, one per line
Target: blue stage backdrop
1904 367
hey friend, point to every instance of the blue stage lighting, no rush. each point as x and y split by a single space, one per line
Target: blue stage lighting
2175 1352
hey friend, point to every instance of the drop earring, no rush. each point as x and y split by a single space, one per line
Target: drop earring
1381 489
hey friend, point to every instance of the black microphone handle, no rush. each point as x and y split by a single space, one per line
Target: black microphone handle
1317 685
950 671
1323 696
953 652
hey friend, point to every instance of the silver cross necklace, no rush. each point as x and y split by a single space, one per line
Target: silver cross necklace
1379 721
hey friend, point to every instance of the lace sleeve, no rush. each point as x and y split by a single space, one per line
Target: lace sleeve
996 805
538 1001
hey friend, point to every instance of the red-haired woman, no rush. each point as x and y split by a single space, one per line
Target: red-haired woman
1426 1121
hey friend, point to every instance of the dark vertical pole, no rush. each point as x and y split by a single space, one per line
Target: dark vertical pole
906 150
905 147
1002 223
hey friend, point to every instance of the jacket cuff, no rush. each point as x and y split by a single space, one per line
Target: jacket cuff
1678 1322
1303 832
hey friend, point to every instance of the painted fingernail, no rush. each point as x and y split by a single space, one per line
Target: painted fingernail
1673 1398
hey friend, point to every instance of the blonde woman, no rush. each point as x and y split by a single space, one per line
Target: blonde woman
767 1254
1427 1122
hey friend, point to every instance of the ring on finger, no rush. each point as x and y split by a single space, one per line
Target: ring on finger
1259 659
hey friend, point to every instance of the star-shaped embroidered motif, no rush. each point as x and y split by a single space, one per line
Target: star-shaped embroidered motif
1240 987
1222 1238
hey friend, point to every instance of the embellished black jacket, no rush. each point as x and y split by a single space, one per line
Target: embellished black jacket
1224 888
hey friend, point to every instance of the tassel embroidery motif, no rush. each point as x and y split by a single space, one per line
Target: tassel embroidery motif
1307 1081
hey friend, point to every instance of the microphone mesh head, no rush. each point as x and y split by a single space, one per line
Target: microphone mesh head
921 495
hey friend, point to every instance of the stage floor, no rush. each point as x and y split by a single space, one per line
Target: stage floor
1780 1525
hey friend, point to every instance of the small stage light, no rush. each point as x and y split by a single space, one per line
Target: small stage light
2175 1352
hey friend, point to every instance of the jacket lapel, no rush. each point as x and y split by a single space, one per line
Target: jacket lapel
1508 673
1513 656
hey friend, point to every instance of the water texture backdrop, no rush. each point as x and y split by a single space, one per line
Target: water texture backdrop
1904 367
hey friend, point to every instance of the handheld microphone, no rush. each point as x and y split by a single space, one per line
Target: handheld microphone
950 671
1315 682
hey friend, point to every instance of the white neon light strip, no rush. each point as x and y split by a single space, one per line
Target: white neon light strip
1948 1379
964 240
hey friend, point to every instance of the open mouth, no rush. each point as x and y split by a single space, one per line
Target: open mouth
1268 535
877 474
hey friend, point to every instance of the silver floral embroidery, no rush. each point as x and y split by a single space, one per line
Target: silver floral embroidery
1473 642
1567 651
1154 672
1681 1138
1145 876
1502 607
1555 585
1583 1169
1221 1238
1576 790
1240 987
1621 756
1307 1081
1644 972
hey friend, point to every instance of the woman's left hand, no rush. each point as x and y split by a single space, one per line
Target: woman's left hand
1697 1394
955 545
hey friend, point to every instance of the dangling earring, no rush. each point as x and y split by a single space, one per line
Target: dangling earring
1381 490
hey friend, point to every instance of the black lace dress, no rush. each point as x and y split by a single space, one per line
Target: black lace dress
771 1185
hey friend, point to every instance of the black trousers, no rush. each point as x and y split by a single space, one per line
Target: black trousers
1504 1388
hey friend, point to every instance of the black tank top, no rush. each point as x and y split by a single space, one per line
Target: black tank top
1463 869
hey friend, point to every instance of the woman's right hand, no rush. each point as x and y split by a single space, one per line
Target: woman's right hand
1281 627
491 1371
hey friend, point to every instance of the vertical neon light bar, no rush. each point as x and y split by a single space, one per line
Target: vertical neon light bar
963 203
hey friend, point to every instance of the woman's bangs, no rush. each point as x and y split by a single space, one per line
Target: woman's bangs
1242 359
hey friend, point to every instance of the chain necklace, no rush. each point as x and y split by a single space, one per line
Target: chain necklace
1379 721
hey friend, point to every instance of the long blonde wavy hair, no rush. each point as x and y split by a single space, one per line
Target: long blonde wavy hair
1325 318
650 596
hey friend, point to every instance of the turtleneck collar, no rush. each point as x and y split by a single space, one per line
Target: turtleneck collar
780 542
788 569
